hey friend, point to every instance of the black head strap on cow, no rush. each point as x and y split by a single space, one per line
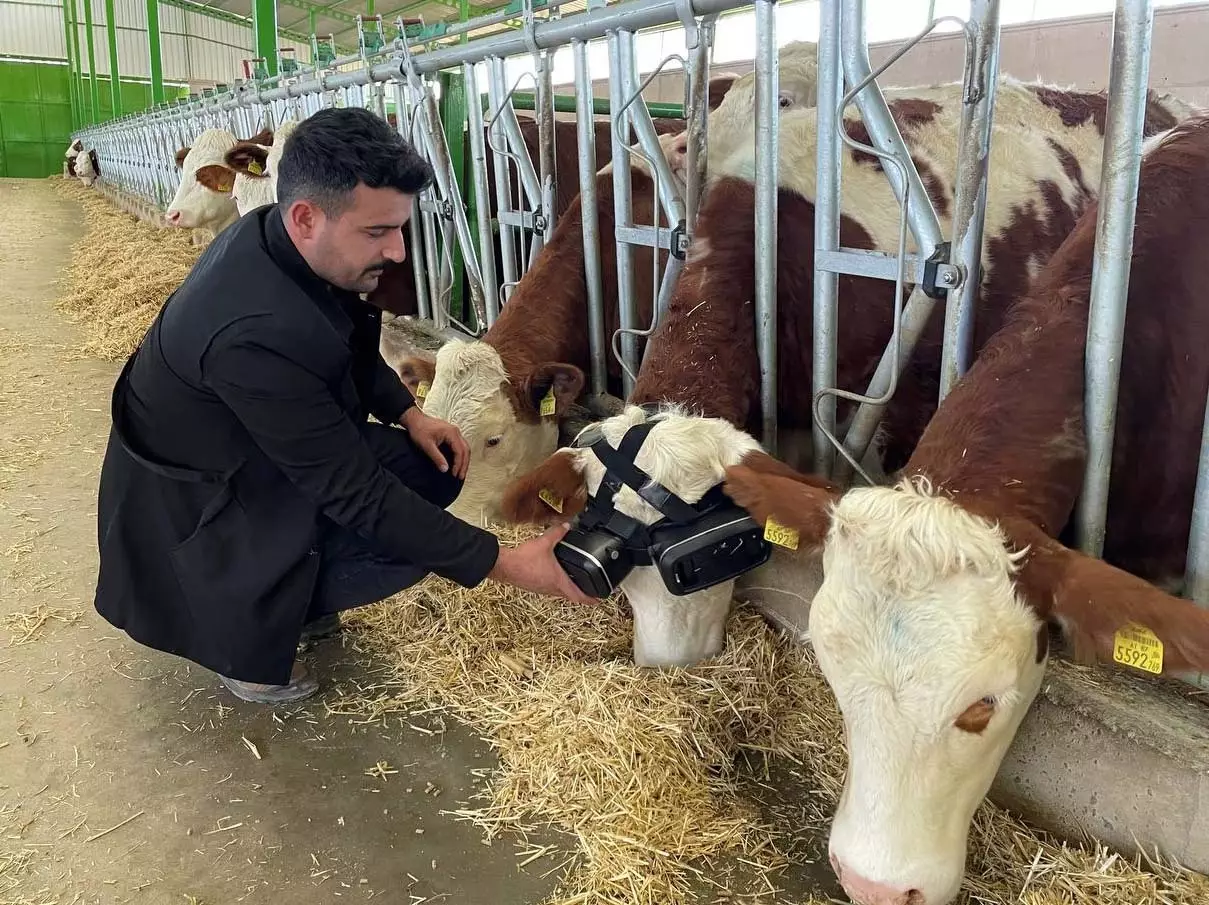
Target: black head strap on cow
694 545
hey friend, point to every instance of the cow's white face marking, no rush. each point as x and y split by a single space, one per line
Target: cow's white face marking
471 390
933 659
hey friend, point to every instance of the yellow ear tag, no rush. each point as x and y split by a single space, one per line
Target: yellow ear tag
1137 646
254 168
551 499
780 535
548 403
422 392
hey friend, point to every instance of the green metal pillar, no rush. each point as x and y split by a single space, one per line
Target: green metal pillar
312 20
115 79
153 45
78 75
94 92
369 8
68 28
264 29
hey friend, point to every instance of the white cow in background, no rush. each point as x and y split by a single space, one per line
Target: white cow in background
203 200
87 167
689 456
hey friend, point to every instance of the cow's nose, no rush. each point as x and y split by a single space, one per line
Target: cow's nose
868 892
173 217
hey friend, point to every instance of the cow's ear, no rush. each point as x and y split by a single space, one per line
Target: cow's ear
181 154
551 388
248 158
554 491
718 86
792 500
263 137
1103 610
417 373
217 178
96 164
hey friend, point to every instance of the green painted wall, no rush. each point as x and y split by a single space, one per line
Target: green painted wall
35 115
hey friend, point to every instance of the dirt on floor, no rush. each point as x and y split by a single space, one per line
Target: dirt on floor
129 776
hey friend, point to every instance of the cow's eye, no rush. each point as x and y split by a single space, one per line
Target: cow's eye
493 441
975 718
785 101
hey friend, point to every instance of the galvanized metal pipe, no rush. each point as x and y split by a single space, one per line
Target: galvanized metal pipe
585 131
482 207
438 152
503 191
767 154
1196 576
547 167
1132 23
622 212
697 116
826 236
969 203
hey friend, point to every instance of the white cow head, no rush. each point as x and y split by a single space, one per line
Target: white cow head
929 626
88 168
203 198
686 454
734 117
73 149
499 414
255 164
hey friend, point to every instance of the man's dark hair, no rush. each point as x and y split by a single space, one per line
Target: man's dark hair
329 153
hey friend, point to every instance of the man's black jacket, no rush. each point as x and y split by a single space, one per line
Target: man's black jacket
236 426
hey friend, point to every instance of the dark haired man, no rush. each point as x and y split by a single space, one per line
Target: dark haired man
245 499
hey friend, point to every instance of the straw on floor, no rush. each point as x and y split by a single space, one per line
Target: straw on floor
122 270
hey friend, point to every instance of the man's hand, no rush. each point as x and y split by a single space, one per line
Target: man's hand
429 433
532 566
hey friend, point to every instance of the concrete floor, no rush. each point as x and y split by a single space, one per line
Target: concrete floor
128 776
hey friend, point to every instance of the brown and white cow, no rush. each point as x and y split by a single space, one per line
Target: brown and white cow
203 200
1044 169
930 624
254 163
1045 156
492 389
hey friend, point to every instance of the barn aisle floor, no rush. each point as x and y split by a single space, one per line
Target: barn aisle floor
98 733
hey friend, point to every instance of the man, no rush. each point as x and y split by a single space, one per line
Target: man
245 499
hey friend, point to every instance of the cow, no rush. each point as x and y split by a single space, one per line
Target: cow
255 166
1044 166
70 155
87 166
1045 158
930 625
689 456
203 199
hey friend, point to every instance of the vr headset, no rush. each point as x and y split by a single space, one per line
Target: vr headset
694 546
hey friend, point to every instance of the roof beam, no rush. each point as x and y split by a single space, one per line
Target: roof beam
223 15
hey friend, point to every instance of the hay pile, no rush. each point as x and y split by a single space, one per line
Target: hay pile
642 769
122 271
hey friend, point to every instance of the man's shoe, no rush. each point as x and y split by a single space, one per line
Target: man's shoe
302 686
321 629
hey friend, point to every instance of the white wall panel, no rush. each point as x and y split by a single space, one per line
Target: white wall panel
31 29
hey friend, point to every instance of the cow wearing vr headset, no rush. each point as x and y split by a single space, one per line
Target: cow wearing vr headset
645 488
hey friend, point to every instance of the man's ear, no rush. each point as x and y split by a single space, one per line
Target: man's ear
217 178
554 491
181 154
553 382
1092 601
248 158
415 370
795 501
